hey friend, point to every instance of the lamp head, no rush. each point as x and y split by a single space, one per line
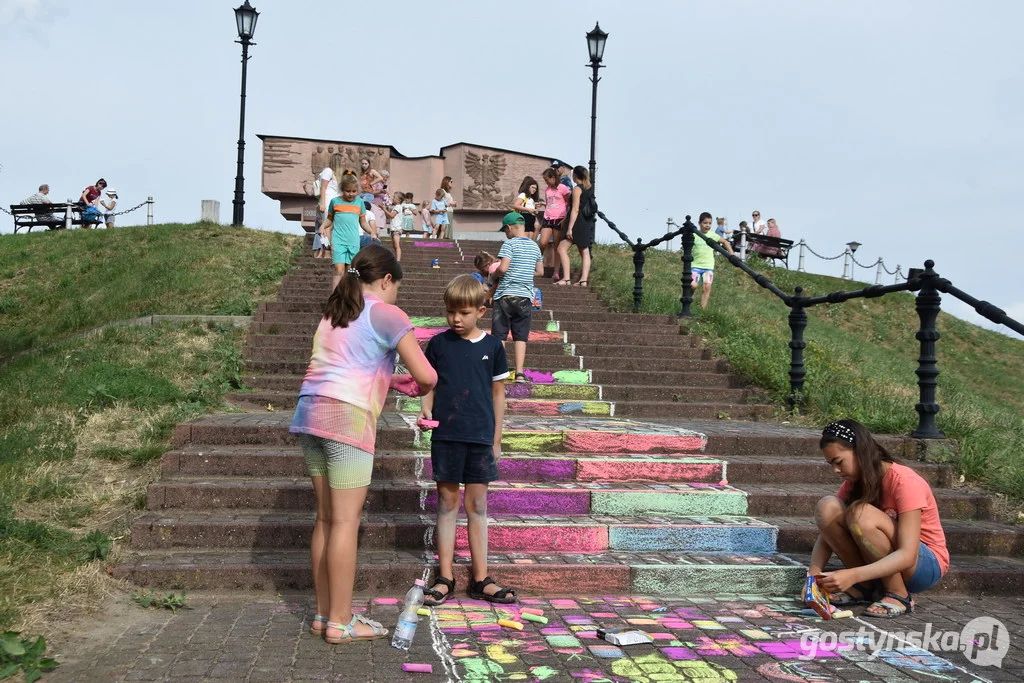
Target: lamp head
245 19
595 44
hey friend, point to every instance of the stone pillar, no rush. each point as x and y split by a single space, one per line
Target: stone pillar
210 212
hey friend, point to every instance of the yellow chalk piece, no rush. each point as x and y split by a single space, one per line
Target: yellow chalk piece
842 614
526 616
423 612
507 623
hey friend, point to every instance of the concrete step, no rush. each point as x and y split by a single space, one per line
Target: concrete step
503 498
265 530
974 537
719 377
287 461
306 325
565 316
967 575
292 383
675 394
750 412
386 572
744 470
797 500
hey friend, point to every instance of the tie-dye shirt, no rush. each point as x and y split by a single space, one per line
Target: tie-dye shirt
349 374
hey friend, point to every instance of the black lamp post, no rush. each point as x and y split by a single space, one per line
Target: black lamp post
853 247
245 18
595 45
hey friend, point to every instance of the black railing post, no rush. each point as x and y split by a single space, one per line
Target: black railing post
797 325
928 305
687 278
638 275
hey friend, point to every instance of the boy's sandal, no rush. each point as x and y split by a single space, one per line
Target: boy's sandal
583 283
563 283
520 378
505 596
348 632
318 619
433 598
892 611
847 599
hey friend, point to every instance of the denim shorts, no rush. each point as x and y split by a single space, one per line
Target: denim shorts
463 463
927 573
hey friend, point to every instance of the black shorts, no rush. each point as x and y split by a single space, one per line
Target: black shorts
555 224
463 463
529 222
513 313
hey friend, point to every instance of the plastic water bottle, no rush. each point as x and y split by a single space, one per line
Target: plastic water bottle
406 628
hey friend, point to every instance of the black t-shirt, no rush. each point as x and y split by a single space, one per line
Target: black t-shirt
466 371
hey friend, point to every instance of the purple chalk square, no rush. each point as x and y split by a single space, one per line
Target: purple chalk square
604 615
678 653
555 631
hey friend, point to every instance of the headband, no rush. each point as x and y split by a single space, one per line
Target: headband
840 431
353 271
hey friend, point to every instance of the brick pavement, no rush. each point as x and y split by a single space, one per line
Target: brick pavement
263 637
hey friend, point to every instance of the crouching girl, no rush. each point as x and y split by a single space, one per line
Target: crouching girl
883 524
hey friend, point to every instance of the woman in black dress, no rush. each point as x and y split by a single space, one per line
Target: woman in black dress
582 225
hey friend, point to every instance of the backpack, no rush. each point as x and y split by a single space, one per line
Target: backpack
588 208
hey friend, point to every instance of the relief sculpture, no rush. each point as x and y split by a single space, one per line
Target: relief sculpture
340 158
486 171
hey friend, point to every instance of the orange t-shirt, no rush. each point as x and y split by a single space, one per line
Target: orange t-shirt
903 490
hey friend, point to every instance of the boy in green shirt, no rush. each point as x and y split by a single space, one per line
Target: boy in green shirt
703 264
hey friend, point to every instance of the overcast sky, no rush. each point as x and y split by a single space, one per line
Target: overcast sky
895 124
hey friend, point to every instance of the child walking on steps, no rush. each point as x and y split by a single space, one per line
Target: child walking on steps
469 405
341 398
883 524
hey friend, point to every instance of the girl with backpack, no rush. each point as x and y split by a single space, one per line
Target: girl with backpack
342 395
582 225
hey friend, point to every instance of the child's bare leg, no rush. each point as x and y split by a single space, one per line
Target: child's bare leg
519 354
705 295
875 535
476 514
563 258
342 545
318 547
396 242
585 265
830 516
447 514
339 272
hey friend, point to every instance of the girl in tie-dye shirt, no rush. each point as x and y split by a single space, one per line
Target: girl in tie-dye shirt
342 396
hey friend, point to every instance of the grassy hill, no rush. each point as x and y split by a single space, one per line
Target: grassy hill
83 418
860 358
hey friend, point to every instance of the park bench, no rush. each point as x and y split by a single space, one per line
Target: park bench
774 248
50 216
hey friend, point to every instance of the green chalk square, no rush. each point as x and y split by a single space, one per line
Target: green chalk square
579 392
692 580
642 503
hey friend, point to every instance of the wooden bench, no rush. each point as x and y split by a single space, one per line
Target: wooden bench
50 216
774 248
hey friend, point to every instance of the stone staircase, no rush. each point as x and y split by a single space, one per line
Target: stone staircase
617 475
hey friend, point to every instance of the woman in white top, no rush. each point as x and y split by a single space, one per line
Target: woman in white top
526 203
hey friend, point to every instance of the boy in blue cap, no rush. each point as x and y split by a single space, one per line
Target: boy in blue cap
519 260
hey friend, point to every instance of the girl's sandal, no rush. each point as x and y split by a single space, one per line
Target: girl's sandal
563 283
505 596
847 599
583 283
435 597
521 378
318 619
892 611
348 631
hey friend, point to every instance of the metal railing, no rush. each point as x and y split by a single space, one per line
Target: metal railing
927 283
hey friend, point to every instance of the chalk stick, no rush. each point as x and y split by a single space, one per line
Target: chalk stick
507 623
531 610
842 613
527 616
423 612
418 668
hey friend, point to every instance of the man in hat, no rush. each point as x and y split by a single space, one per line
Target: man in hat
108 203
519 260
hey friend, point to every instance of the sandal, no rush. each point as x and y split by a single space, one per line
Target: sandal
847 599
563 283
582 283
348 631
892 611
505 596
521 378
318 619
435 597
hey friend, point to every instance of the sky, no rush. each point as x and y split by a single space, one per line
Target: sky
893 124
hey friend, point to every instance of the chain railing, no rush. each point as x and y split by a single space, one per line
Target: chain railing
927 283
148 203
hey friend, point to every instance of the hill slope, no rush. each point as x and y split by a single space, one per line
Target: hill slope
860 359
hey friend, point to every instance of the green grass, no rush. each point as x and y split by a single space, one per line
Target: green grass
860 358
53 284
85 418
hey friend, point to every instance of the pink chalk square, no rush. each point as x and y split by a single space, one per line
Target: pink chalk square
678 654
385 601
531 601
586 634
523 561
577 619
674 623
564 604
555 631
604 615
662 636
464 653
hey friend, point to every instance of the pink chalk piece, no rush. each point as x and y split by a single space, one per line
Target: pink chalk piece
385 601
531 610
418 668
724 482
428 424
674 623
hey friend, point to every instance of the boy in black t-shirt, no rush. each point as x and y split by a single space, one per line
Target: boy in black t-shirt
469 404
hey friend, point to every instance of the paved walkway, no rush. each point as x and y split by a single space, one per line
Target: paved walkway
262 637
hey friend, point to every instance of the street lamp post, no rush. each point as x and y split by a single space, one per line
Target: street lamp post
595 45
245 18
853 247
